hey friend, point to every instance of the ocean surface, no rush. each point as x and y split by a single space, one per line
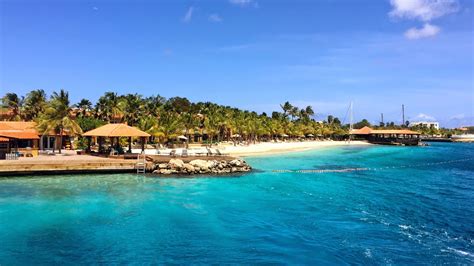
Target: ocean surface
412 205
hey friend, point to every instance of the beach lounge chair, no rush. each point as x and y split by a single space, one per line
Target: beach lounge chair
220 153
113 152
184 153
209 152
173 153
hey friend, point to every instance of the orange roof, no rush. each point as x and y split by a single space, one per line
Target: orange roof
18 130
18 125
25 127
18 134
395 131
116 130
363 131
367 131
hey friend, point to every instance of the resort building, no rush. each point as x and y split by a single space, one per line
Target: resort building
387 136
426 124
24 139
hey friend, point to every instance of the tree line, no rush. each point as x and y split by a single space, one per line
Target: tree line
165 119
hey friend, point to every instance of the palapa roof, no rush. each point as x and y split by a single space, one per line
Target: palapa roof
18 125
367 131
116 130
18 130
17 134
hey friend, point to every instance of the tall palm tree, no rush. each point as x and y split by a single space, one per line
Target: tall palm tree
34 104
84 106
286 107
110 107
168 126
133 107
58 117
309 110
14 104
188 121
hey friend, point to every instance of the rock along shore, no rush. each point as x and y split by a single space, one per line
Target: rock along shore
198 166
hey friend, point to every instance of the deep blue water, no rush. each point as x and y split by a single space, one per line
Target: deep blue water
421 213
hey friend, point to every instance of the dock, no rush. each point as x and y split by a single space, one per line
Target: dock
80 164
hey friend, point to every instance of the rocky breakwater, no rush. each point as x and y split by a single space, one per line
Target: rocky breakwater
179 167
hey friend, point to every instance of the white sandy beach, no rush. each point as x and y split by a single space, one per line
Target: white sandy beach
262 148
266 148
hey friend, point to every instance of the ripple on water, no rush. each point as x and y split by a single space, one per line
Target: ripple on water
396 216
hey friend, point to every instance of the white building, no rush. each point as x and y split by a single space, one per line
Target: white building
427 124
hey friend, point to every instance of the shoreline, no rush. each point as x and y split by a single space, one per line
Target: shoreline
92 164
266 148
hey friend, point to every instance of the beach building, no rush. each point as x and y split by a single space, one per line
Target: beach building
426 124
24 139
387 136
114 132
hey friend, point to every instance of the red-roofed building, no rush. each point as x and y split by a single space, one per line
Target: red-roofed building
24 138
388 136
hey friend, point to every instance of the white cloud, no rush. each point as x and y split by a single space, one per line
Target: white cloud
458 116
423 117
215 18
427 30
189 15
424 10
244 3
95 8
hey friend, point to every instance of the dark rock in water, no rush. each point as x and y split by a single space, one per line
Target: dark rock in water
177 166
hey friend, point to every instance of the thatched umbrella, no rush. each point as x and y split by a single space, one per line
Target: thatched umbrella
117 131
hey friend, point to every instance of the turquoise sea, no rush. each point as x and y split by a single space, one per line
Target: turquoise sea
415 207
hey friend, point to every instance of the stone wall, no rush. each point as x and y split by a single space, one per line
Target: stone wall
177 166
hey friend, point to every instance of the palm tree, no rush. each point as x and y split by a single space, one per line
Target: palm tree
84 106
14 104
309 110
153 104
287 107
34 104
167 126
58 117
110 107
133 108
188 121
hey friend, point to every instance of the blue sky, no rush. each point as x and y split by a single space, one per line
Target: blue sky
251 54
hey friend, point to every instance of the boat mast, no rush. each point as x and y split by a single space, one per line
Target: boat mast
351 126
403 115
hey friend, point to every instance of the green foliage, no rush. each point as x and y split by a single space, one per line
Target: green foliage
167 119
89 123
361 124
58 116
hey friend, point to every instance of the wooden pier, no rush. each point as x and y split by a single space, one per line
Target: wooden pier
78 164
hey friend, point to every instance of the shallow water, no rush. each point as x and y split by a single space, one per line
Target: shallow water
407 212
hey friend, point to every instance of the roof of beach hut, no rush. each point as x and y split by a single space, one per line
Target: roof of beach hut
367 130
116 130
363 131
18 130
395 131
16 134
